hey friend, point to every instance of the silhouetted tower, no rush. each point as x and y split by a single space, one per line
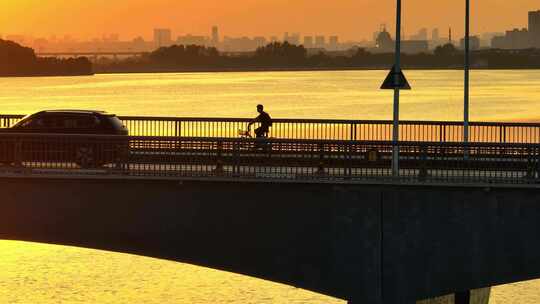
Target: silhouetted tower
384 42
450 35
162 37
534 28
215 35
435 35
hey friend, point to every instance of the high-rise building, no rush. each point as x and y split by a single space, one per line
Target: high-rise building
333 42
375 35
384 42
435 36
294 39
534 28
414 46
259 41
191 40
162 37
474 43
518 39
241 44
422 34
215 36
320 42
308 42
514 40
498 42
286 37
486 38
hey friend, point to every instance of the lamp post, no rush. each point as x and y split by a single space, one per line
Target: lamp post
467 63
395 134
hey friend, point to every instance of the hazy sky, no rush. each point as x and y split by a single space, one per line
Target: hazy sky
350 19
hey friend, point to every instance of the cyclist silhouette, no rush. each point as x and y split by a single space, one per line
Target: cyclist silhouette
264 119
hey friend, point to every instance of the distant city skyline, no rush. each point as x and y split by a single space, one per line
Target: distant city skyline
422 41
348 19
163 37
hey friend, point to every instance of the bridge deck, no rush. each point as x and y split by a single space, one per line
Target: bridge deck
267 160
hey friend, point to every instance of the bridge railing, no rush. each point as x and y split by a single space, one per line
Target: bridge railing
267 160
8 120
324 129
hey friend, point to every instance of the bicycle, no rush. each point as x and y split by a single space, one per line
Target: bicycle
260 142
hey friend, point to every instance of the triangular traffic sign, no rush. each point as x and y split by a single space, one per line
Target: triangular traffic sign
395 80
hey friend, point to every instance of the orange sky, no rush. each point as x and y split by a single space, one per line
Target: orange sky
350 19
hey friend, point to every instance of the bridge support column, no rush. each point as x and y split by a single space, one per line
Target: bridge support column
463 297
401 302
476 296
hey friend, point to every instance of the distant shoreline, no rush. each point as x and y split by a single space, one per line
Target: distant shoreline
250 69
46 75
288 69
274 57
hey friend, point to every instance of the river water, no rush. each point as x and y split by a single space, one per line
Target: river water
38 273
436 95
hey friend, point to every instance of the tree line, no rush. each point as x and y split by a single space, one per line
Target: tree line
16 60
279 55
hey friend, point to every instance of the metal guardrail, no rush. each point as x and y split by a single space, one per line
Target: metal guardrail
285 160
321 129
8 120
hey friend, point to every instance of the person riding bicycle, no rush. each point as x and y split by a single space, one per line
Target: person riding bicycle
264 119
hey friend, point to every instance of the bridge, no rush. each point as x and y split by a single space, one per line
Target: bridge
92 55
316 205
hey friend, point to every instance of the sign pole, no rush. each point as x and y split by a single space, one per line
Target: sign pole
395 154
467 63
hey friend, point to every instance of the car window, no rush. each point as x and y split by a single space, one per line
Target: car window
42 122
28 123
80 122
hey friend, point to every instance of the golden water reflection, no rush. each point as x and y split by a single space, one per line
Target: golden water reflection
40 273
436 95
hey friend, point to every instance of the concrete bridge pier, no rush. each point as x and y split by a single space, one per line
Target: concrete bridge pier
463 297
476 296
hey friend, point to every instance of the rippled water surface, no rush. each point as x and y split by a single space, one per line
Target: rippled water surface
37 273
436 95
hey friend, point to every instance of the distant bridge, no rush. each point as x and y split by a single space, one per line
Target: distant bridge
90 54
314 206
97 54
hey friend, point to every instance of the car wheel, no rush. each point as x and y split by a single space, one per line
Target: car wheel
85 157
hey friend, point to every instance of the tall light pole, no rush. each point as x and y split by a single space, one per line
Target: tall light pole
467 63
397 80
